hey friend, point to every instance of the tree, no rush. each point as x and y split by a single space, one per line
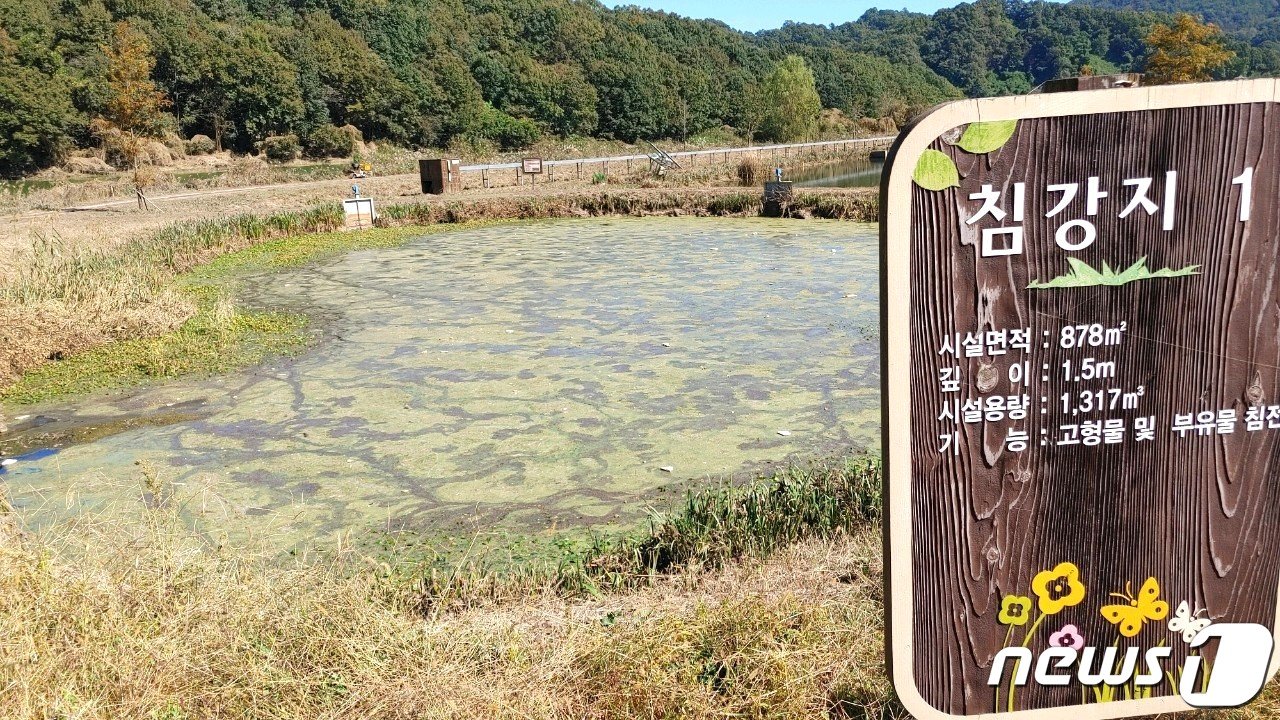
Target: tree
792 97
134 109
35 114
1187 51
755 110
973 45
134 104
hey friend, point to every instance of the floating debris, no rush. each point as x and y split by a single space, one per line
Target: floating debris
667 468
7 462
784 433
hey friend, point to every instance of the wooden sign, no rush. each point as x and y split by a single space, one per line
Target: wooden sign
1082 400
531 166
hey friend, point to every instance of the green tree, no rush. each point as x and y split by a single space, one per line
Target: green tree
1186 51
793 102
755 110
35 114
973 44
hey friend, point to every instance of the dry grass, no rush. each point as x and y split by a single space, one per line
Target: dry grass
64 302
141 616
145 618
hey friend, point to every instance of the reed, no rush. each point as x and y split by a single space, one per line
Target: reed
139 615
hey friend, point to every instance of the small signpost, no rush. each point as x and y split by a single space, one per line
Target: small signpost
358 213
1081 312
531 166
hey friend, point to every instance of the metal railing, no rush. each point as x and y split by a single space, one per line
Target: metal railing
774 149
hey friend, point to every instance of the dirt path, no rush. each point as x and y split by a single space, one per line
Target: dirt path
102 225
107 224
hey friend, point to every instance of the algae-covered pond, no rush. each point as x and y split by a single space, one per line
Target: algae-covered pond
533 375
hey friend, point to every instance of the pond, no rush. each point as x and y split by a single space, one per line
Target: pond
854 172
537 375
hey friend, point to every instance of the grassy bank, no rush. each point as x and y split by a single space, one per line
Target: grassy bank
156 307
147 619
758 601
714 526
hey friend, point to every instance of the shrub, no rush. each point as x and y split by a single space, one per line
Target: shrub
200 145
328 141
748 171
280 148
510 133
599 178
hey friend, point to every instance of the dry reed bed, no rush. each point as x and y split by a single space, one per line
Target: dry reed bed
147 624
766 605
63 302
146 618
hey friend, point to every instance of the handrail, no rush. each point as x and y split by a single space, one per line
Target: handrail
681 153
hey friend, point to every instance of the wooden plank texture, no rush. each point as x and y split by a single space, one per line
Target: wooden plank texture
1196 512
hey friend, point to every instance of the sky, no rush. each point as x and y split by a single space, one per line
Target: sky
753 15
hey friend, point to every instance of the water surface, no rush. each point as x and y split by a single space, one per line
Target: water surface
534 375
854 172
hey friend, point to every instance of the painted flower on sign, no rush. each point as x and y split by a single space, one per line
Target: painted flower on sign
1014 610
1069 636
1058 588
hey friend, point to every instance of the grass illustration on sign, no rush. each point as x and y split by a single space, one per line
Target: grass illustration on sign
1082 275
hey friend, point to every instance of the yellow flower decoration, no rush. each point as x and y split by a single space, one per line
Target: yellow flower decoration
1058 588
1014 610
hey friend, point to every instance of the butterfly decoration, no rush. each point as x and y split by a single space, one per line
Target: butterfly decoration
1131 616
1188 623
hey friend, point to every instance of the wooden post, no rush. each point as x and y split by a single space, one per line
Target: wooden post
579 171
484 178
606 168
519 177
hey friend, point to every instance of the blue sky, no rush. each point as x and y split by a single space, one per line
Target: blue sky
752 15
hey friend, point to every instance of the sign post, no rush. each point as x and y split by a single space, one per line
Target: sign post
531 166
1081 312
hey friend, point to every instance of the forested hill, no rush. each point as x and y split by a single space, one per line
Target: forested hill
504 72
1242 16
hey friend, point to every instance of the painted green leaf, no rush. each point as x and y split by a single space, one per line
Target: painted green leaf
984 137
935 171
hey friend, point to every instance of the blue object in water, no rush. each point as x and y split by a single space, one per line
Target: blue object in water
38 454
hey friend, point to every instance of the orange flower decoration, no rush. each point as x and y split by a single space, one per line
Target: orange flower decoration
1058 588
